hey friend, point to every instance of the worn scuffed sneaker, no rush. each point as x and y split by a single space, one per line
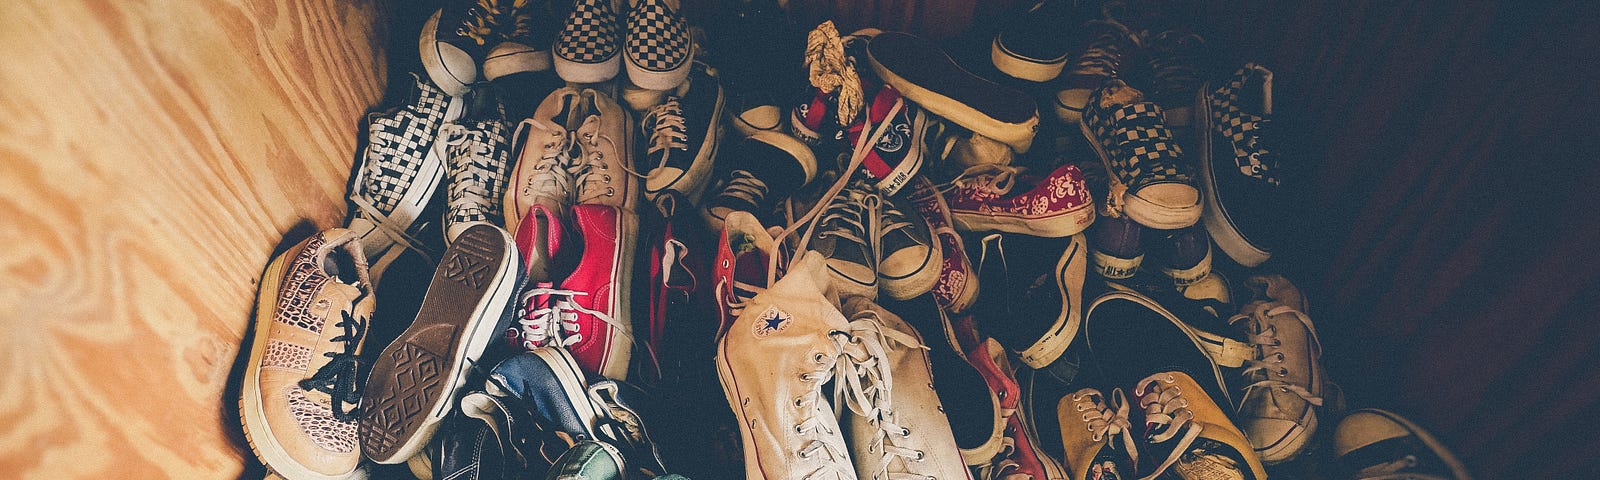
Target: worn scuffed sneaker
999 198
457 38
589 461
1121 327
844 238
400 169
1186 431
530 29
476 153
413 383
537 322
589 47
626 415
467 447
1239 169
1149 181
1002 388
957 287
542 150
300 397
1373 444
659 49
976 414
739 272
909 262
1282 383
1117 247
1101 59
1032 307
1024 454
766 168
773 363
604 136
681 137
898 427
525 414
1031 47
1097 435
922 72
1174 58
908 135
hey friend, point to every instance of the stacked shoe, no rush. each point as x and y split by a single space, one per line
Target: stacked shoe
922 71
1377 444
1031 48
682 136
1032 307
1102 58
1000 198
1149 181
654 39
492 37
958 285
530 409
766 167
866 237
1238 168
1282 384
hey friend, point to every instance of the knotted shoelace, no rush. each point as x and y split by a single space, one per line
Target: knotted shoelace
1167 410
337 378
1107 422
865 385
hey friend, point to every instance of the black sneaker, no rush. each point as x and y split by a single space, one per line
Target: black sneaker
908 262
455 41
843 236
1101 59
1034 306
1238 167
529 28
1175 73
767 167
1150 182
1184 255
922 72
680 137
1031 46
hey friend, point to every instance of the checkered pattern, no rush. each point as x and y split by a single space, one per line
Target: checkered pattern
591 34
397 143
1241 127
658 40
478 164
1136 140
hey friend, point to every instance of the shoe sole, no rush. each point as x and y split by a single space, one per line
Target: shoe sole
919 280
573 384
588 72
692 183
1033 70
620 348
1292 444
453 81
1071 268
413 382
519 59
1019 136
1064 223
263 443
1139 210
1215 218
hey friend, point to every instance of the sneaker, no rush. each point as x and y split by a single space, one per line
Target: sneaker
1376 444
1185 255
773 363
586 50
1003 389
1188 432
904 131
1175 74
538 241
1030 47
766 168
624 422
476 153
589 461
976 416
740 269
604 137
514 424
1118 247
595 298
922 71
682 134
401 167
530 28
1121 326
300 398
1097 435
899 427
1100 60
1238 168
909 263
1149 181
1035 307
547 384
1283 380
413 383
455 40
842 236
957 286
1000 198
469 448
1024 453
543 149
659 49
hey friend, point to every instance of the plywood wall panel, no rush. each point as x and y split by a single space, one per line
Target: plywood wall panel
152 154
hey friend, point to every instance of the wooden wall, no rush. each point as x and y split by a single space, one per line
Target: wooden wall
152 154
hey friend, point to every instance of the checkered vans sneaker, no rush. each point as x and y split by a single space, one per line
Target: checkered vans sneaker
1234 123
586 50
478 163
1238 168
659 49
1149 181
398 172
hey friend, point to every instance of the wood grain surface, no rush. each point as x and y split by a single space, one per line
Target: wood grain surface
152 155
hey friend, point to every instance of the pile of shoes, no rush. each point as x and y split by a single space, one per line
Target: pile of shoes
743 246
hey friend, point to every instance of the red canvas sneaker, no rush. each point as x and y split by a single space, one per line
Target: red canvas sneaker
740 269
989 198
957 286
597 292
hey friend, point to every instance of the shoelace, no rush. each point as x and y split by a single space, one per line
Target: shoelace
1104 53
991 179
546 318
1166 408
849 216
480 21
865 385
745 187
1175 62
594 176
824 447
383 224
468 151
551 172
1108 421
669 131
1269 360
830 69
337 378
891 219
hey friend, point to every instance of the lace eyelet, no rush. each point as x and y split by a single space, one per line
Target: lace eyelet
920 455
819 358
905 432
801 432
799 401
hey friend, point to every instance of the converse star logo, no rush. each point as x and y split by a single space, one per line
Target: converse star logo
772 321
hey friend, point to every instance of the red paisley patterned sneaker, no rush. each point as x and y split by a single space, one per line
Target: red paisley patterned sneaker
989 198
957 286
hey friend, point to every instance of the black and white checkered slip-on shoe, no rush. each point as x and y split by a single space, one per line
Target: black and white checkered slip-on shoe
478 160
399 170
1238 167
681 138
586 50
1150 183
659 48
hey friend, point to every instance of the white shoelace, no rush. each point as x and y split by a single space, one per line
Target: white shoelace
1165 406
744 186
1269 360
467 196
1107 421
865 386
670 132
551 173
594 175
555 321
824 449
